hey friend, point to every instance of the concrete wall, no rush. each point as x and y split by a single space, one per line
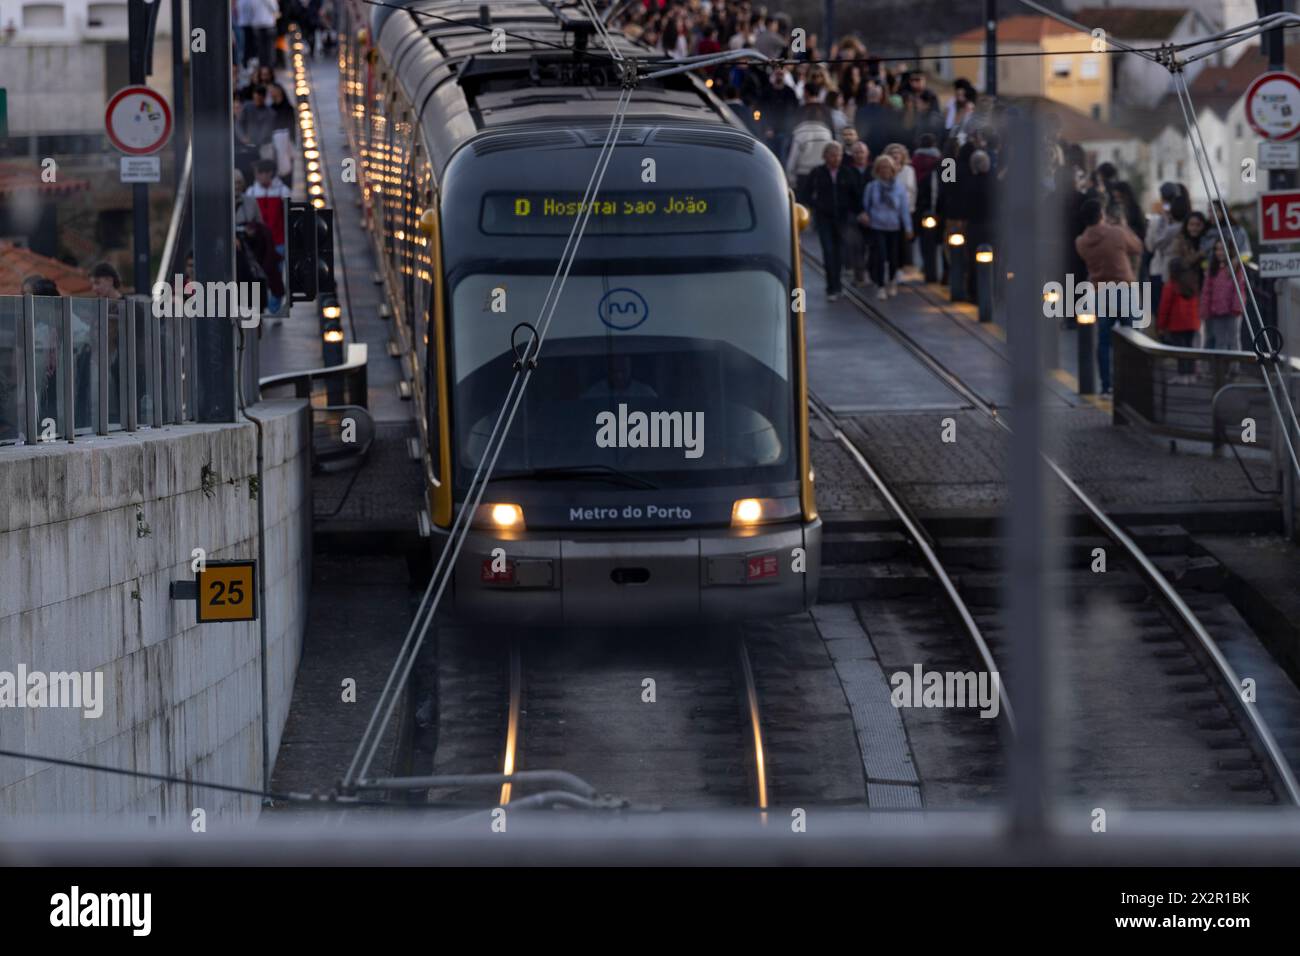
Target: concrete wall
91 536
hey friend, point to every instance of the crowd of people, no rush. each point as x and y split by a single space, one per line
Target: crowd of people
862 144
1193 274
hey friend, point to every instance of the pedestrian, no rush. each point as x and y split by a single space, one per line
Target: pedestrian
1187 244
839 122
907 176
256 123
261 16
272 197
856 173
105 283
1162 230
777 106
1105 249
1235 233
1122 193
808 139
1220 301
830 211
885 213
1178 319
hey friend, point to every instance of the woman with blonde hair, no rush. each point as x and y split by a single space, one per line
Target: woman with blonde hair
886 215
907 176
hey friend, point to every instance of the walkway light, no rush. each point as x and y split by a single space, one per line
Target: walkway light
929 222
984 253
956 239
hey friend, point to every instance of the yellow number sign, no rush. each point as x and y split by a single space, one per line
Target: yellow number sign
228 591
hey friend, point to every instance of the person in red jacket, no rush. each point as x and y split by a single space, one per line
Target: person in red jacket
1220 303
1179 318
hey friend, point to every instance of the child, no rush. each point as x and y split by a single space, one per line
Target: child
272 198
1219 302
1179 319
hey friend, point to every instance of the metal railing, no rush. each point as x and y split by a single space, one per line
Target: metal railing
78 367
343 384
1195 394
337 395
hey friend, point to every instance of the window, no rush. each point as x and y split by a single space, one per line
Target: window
41 16
1240 132
1090 68
1061 68
112 16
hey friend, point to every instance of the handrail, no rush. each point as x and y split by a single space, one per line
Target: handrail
355 360
1148 344
166 262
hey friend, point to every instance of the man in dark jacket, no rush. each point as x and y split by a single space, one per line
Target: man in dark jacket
830 209
854 176
777 107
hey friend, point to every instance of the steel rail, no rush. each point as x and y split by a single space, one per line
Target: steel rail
922 540
510 756
1116 534
754 716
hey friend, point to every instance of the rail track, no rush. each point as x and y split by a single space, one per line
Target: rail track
1156 705
651 720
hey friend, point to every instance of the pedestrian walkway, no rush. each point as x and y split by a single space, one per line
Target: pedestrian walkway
382 500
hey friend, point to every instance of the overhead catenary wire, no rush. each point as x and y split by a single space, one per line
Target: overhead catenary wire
496 441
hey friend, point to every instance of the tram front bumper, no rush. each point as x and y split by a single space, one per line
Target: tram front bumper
598 579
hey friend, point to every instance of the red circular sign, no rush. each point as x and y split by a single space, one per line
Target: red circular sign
1273 105
138 121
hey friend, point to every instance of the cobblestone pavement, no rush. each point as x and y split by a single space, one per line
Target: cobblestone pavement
1119 466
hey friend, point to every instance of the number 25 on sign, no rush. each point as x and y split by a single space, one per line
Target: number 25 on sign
1279 216
227 591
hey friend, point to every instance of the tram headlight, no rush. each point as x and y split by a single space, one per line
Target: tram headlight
499 516
747 512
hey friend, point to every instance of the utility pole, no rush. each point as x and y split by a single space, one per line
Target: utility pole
141 19
179 129
990 47
1274 44
213 162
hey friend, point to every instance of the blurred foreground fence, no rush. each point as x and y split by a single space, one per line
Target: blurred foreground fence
79 366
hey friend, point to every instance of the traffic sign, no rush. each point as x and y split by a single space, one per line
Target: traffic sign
227 591
1279 155
1273 105
1278 265
1279 216
138 121
141 169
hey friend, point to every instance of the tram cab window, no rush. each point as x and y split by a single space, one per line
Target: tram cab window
704 358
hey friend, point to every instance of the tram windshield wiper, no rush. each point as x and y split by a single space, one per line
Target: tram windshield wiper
599 472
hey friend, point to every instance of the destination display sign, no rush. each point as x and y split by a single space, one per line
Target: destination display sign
640 213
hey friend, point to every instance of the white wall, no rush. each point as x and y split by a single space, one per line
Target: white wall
63 21
81 588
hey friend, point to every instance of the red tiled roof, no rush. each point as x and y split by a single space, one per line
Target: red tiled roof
1025 28
1132 23
1232 81
1076 127
21 177
17 263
